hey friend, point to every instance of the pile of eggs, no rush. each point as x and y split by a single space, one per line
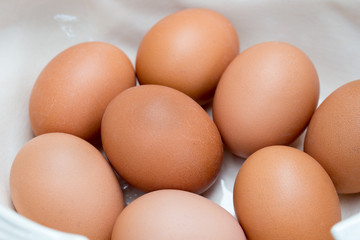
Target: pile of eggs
157 136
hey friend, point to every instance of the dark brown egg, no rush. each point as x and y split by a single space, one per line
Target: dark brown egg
157 137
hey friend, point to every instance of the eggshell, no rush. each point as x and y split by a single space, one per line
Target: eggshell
188 50
63 182
73 90
157 137
177 215
333 137
283 193
265 97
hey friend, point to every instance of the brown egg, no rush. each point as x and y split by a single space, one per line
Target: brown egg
265 97
188 50
176 215
333 137
73 90
157 137
282 193
63 182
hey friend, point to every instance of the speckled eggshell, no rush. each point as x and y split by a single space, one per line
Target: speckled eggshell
157 137
283 193
188 50
333 137
265 97
72 91
176 215
63 182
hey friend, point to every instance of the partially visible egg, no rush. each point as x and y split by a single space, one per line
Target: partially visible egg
333 137
188 50
157 137
283 193
265 97
72 91
176 215
63 182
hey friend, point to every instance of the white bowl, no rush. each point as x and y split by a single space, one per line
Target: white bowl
33 32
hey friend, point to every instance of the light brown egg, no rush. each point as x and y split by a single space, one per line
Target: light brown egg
73 90
63 182
176 215
265 97
188 50
157 137
333 137
283 193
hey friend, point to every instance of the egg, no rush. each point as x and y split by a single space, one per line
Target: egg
72 91
157 137
177 215
63 182
265 97
333 137
188 50
281 192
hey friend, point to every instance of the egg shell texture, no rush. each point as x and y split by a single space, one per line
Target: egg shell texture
333 137
63 182
188 50
73 90
157 137
177 215
265 97
283 193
